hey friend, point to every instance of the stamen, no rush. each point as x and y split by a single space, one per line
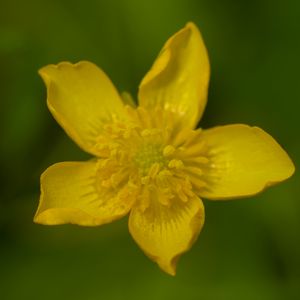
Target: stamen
168 150
175 164
148 159
154 170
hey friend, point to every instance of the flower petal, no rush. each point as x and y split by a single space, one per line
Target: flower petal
70 193
81 98
244 161
164 232
178 79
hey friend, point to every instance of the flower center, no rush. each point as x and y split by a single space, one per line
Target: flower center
146 159
148 155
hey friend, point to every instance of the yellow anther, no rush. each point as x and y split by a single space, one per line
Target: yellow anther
175 164
194 170
144 199
145 180
164 199
165 173
117 178
150 132
183 197
146 132
154 169
127 134
168 150
114 153
106 183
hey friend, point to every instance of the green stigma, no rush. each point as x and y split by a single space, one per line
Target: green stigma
147 155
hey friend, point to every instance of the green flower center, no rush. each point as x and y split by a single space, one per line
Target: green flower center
148 155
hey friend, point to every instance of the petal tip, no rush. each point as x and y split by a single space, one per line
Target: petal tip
170 270
179 78
289 169
191 25
36 219
167 265
43 72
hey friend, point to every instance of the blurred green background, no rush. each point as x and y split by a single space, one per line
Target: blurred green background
249 249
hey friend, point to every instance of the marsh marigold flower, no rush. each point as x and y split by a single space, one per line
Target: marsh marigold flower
149 161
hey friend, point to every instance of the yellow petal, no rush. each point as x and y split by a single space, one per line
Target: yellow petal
81 98
70 193
178 79
165 232
243 161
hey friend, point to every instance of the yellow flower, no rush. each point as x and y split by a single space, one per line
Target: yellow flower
150 161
